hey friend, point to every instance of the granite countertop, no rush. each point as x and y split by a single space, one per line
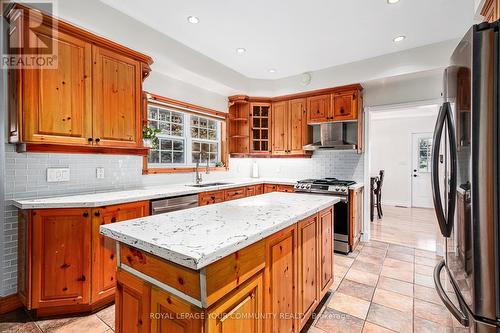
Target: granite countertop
147 193
197 237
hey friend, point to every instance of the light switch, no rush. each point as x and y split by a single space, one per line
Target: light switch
99 173
57 175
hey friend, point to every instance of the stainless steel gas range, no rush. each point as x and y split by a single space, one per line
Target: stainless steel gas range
339 188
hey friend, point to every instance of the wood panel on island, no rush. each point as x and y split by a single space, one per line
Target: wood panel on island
89 101
288 128
65 265
285 274
213 197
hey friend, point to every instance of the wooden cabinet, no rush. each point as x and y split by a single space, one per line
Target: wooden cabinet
174 314
254 190
117 88
345 105
60 257
132 309
308 267
90 100
356 216
491 10
289 127
57 103
280 128
285 188
319 109
326 250
104 248
281 280
268 188
237 311
67 266
209 198
239 125
260 127
234 193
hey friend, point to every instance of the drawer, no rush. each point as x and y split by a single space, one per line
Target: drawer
235 193
270 188
250 191
285 188
209 198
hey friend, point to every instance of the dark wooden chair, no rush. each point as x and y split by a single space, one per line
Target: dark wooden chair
376 194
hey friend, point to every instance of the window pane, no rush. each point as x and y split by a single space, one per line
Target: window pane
177 117
195 157
166 157
212 124
164 115
178 157
205 148
152 113
264 122
153 156
203 122
178 145
213 147
212 135
165 144
203 133
256 111
194 132
195 146
177 130
265 111
152 124
212 157
195 121
165 128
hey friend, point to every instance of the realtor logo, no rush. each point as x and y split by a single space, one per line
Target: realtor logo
31 35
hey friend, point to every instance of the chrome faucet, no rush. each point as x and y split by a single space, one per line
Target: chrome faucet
198 179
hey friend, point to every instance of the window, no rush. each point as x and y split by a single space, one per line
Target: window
184 138
424 154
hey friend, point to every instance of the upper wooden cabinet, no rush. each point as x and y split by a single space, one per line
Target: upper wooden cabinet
289 127
319 109
260 114
89 101
345 105
491 10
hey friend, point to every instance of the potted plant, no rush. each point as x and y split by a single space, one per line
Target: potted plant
149 137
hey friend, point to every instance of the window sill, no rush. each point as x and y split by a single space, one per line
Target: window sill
153 171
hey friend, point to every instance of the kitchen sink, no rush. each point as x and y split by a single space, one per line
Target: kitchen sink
208 184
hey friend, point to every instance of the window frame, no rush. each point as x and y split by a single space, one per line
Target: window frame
187 110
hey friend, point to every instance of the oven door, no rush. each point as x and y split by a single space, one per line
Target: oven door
341 226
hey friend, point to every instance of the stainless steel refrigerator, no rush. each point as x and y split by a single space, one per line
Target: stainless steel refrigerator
466 197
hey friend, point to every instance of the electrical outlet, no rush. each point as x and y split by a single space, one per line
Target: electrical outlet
55 175
99 173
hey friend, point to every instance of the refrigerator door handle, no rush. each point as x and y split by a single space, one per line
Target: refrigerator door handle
452 197
436 191
460 315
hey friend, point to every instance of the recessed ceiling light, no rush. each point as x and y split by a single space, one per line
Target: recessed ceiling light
272 70
193 19
399 39
391 2
241 50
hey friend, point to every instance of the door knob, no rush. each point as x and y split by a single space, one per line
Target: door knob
415 176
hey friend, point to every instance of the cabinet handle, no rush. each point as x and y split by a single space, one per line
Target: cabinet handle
86 214
82 278
90 140
342 110
97 214
97 140
113 219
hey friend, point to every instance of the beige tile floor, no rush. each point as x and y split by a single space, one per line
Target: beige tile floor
380 287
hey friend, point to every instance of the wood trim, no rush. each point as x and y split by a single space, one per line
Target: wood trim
81 33
72 149
269 155
80 309
244 98
10 303
196 108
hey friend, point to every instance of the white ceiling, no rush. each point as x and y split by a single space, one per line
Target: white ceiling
296 36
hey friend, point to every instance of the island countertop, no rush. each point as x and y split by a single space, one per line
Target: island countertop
199 236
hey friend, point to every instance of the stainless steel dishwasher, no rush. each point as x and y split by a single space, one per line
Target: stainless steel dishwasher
167 205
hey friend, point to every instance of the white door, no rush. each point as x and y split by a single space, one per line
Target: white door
421 191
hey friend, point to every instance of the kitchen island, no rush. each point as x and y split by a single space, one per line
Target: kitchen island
258 264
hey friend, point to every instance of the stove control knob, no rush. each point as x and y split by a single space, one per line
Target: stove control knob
308 186
337 189
344 190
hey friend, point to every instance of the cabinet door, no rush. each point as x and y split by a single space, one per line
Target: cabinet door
209 198
281 280
117 99
241 311
61 257
268 188
250 191
169 308
133 301
280 128
57 102
345 106
285 188
104 248
260 127
318 109
298 126
259 189
356 213
326 250
308 267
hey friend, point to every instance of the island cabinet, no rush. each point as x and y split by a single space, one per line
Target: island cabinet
272 285
212 197
88 98
65 265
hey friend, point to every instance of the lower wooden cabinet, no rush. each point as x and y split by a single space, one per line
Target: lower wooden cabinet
281 281
237 311
356 216
209 198
132 311
234 193
325 250
278 188
66 265
104 248
308 268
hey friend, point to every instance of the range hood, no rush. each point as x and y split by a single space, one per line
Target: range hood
336 136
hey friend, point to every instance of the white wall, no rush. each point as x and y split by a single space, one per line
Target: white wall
390 150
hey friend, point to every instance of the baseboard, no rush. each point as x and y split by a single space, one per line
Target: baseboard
10 303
